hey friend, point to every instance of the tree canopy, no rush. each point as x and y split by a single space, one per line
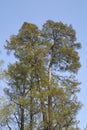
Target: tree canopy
42 83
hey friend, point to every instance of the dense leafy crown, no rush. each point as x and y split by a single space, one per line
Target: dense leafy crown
42 86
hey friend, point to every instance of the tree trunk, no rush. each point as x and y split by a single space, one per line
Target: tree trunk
44 114
43 109
22 118
31 114
50 111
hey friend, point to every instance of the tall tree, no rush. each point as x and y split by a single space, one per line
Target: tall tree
25 74
62 55
42 83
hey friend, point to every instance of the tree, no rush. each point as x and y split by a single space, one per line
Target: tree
42 82
24 75
6 114
62 55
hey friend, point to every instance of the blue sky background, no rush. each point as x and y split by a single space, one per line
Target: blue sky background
14 12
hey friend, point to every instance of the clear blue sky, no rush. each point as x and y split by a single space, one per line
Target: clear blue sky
14 12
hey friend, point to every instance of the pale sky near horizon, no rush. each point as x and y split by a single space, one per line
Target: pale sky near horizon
14 12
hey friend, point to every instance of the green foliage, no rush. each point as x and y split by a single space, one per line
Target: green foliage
41 83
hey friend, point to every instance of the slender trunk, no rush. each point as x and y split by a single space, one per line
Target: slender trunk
50 111
22 118
43 109
31 114
66 128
